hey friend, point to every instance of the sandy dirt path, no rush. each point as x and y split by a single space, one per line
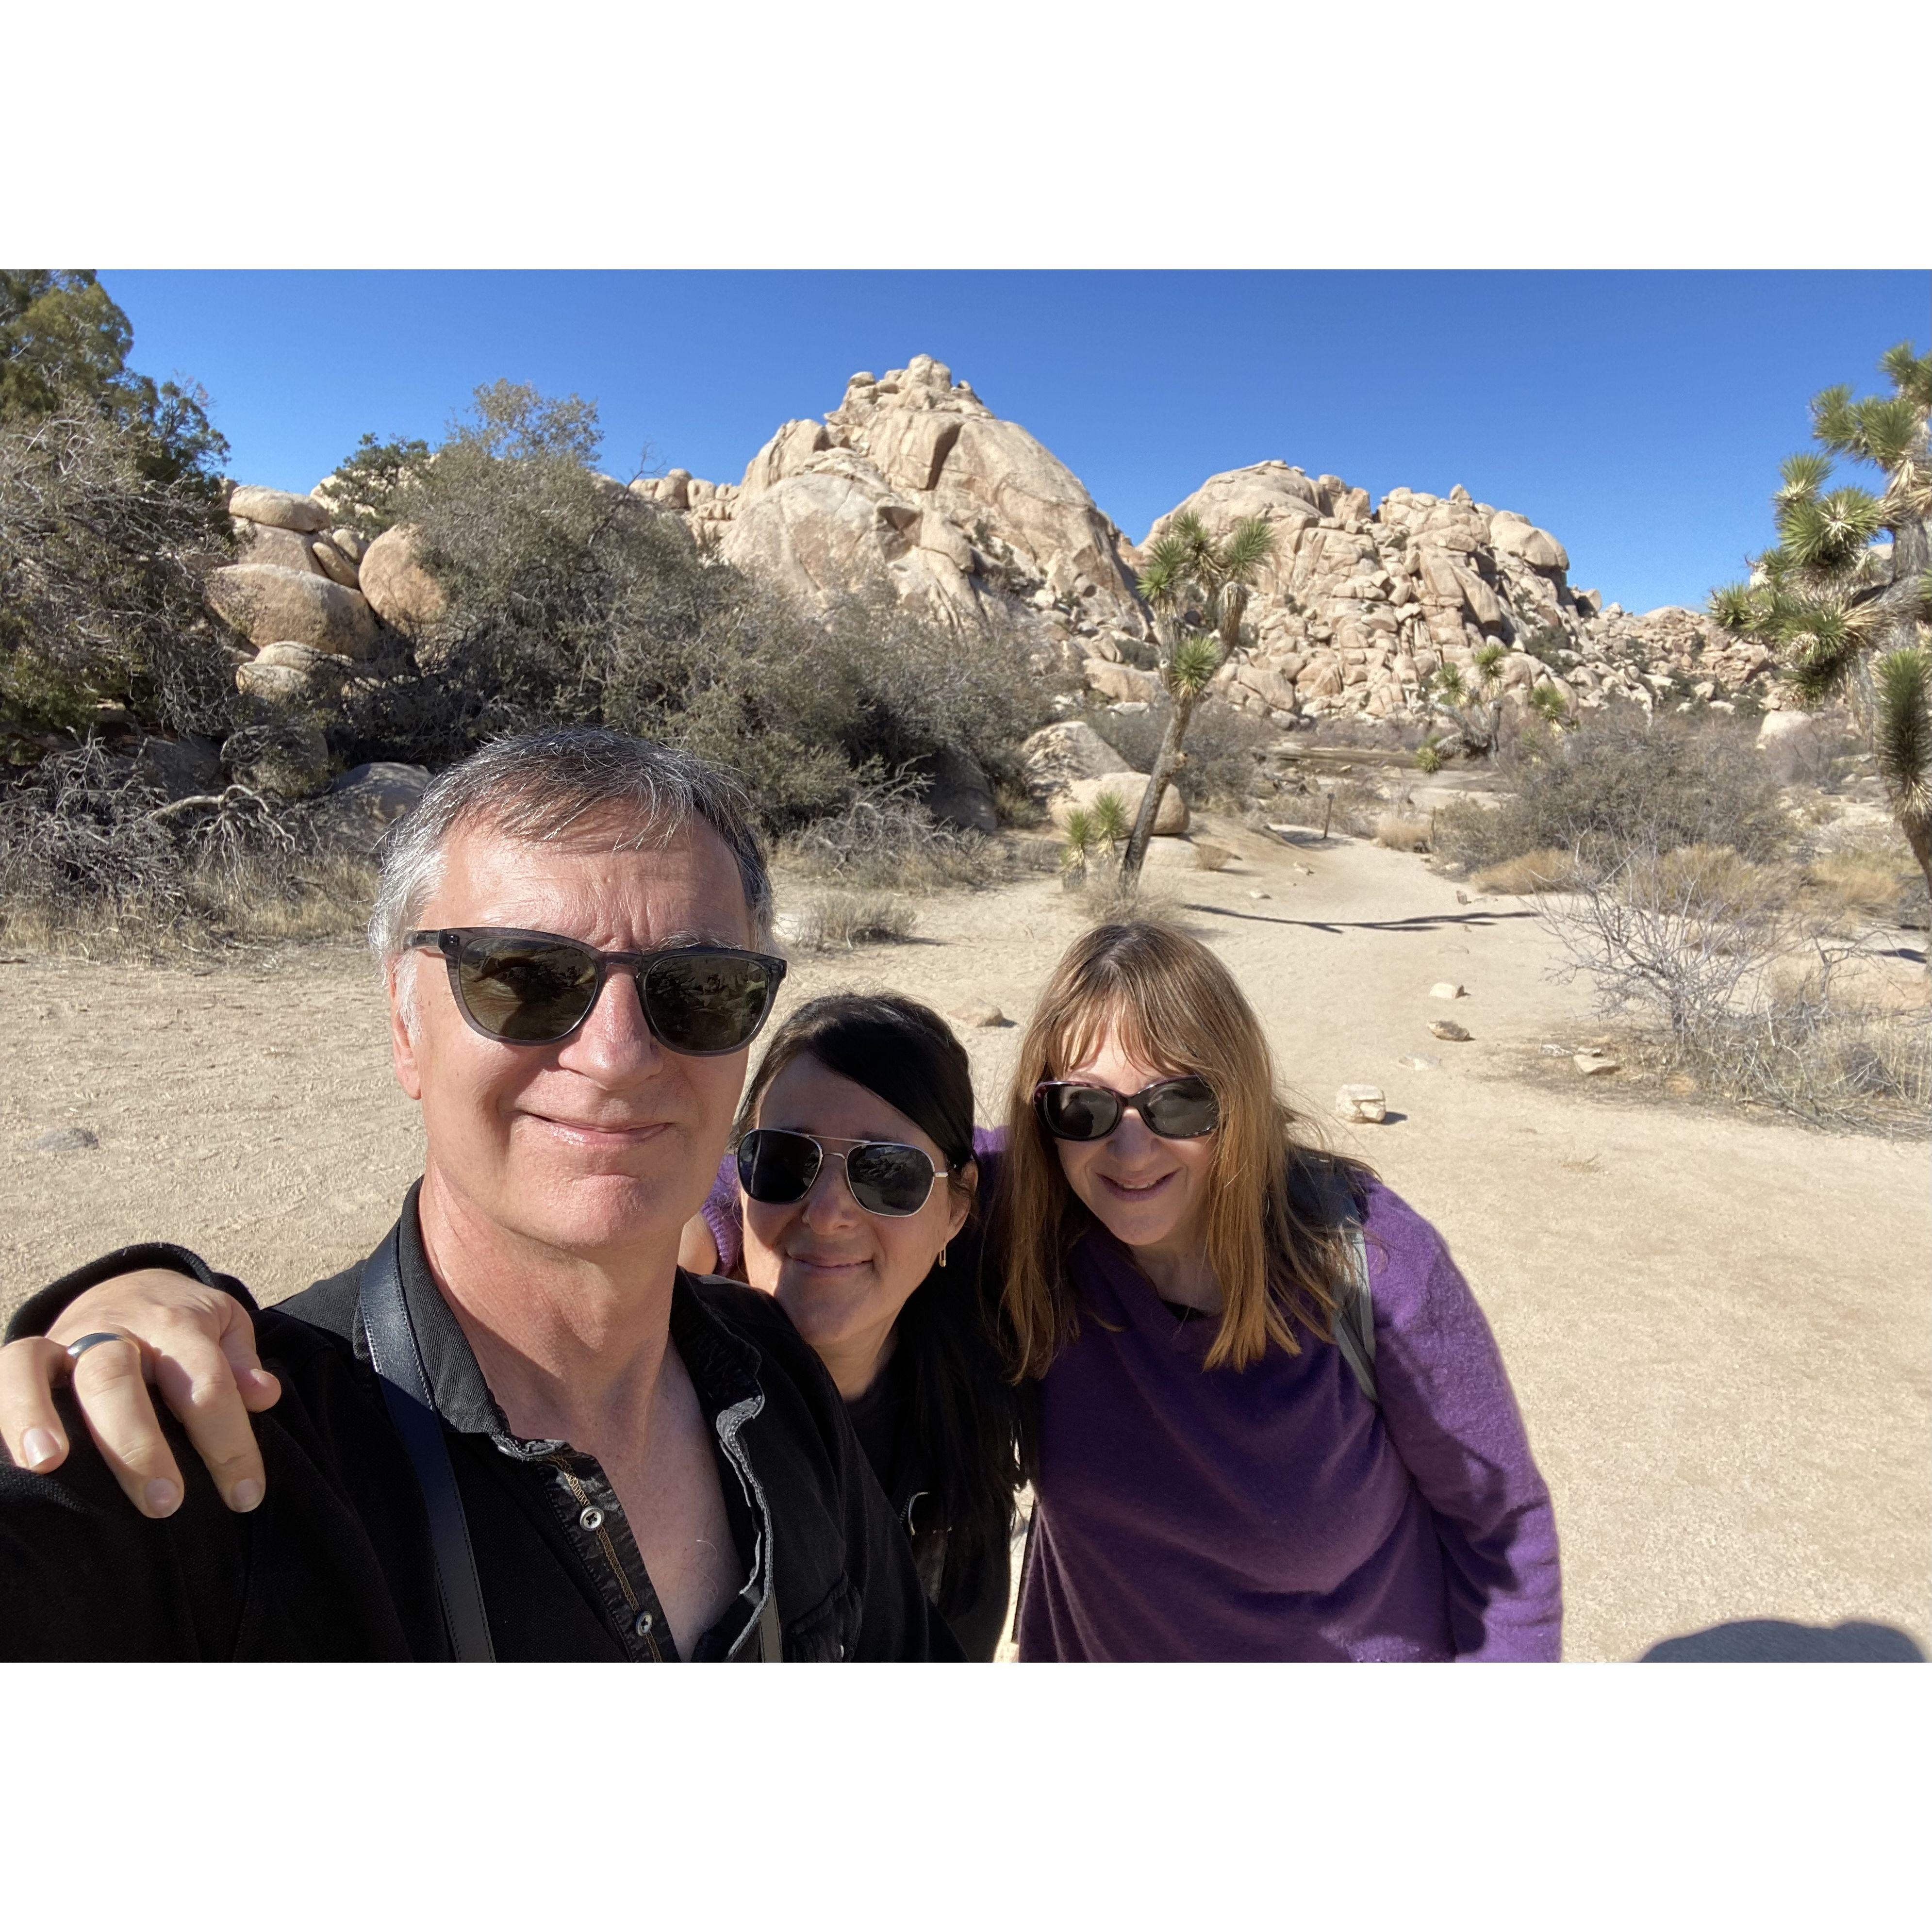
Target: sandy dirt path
1717 1325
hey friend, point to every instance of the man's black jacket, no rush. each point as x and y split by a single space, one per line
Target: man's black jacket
336 1563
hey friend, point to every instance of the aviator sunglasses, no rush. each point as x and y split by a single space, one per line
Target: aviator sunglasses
778 1168
537 988
1182 1109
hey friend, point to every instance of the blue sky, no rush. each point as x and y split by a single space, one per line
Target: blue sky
1641 417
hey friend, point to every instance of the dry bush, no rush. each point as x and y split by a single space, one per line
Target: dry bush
1620 783
884 837
1209 857
1548 870
92 863
1758 1004
1223 747
1402 834
837 922
1106 897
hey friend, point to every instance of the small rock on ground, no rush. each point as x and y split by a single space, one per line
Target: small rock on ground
1449 1030
66 1140
1360 1103
1417 1063
978 1013
1589 1061
1448 989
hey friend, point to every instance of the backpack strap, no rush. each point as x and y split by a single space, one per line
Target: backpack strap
1355 1312
398 1360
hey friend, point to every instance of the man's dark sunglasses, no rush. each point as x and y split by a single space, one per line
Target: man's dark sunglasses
536 988
1178 1110
887 1177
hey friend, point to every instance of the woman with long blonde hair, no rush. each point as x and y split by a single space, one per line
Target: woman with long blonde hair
1234 1459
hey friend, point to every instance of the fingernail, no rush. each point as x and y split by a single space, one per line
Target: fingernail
245 1494
39 1447
164 1498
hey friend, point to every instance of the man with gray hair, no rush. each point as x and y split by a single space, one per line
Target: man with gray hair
518 1429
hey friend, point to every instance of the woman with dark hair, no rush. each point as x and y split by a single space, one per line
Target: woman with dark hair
855 1157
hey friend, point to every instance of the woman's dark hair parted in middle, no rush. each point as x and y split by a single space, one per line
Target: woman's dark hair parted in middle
958 1406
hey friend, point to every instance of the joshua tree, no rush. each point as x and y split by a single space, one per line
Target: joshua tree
1472 700
1841 614
1198 585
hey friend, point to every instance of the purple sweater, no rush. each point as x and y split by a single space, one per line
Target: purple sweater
1274 1512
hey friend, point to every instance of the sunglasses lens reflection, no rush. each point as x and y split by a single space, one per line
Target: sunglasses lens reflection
1183 1110
1080 1113
700 1002
527 991
889 1179
777 1167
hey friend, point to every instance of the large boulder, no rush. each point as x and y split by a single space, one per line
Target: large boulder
1120 683
1056 755
399 590
285 674
178 767
270 544
267 604
365 801
284 761
1517 536
1170 821
279 508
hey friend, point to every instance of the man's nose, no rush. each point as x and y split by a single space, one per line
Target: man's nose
615 1038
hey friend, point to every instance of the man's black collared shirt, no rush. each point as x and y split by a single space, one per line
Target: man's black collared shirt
336 1562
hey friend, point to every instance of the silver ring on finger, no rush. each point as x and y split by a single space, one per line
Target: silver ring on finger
75 1350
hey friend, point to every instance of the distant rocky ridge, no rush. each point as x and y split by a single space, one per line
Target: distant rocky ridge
913 479
913 482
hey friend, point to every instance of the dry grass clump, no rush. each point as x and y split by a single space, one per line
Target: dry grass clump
1548 869
885 838
837 922
1209 857
1864 881
1106 897
1402 834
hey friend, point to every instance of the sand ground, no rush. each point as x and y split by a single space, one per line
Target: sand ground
1717 1324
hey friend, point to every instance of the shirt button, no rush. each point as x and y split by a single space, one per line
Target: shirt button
592 1518
642 1625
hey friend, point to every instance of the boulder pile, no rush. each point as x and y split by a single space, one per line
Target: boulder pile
914 482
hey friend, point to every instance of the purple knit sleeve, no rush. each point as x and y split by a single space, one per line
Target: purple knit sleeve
1452 1416
722 1213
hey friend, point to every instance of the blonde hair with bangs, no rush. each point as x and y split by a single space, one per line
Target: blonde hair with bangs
1170 1003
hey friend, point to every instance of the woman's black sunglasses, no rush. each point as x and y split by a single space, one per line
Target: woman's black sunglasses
1178 1110
536 988
887 1177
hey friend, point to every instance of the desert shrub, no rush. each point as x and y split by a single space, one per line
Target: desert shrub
1550 870
1402 834
1699 940
884 836
836 922
92 861
1621 783
1869 881
572 599
1222 749
100 568
366 490
1548 643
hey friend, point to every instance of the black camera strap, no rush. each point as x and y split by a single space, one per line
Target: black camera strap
398 1359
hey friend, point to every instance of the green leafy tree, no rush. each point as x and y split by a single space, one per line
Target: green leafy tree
1198 585
1843 616
64 345
366 489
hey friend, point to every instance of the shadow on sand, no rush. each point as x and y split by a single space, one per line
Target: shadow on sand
1422 922
1770 1640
